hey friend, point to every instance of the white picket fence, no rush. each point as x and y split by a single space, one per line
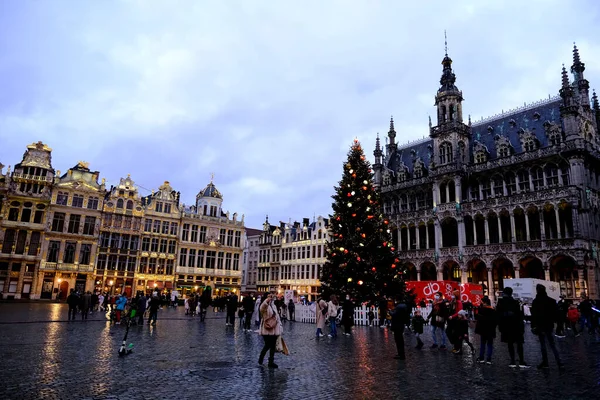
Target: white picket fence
361 314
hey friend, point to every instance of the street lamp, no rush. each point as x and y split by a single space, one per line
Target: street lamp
110 285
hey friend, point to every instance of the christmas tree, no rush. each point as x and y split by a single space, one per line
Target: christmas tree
361 256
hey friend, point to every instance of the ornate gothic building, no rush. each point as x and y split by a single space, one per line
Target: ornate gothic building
514 195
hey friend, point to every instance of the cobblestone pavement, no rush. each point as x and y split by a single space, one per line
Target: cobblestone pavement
182 358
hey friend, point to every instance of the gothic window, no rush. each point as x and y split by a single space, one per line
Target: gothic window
554 139
480 157
452 115
523 177
564 171
498 186
529 145
120 203
537 178
511 184
551 175
486 189
528 140
418 172
445 153
503 151
474 190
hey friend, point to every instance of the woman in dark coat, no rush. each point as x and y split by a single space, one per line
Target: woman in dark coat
486 329
512 326
348 315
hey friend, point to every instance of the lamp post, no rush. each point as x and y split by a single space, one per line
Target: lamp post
110 285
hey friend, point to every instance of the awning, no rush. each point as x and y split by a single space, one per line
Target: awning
150 284
169 285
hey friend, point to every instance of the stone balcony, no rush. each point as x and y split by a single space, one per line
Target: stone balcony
495 249
49 266
209 271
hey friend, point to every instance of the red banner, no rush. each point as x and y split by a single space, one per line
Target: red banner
471 292
426 290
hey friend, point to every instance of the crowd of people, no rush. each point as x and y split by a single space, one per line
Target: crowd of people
449 321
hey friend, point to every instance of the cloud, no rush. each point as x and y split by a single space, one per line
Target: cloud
267 95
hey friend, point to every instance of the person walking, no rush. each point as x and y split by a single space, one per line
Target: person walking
486 329
332 313
438 315
120 307
572 319
348 315
320 316
561 316
383 311
232 306
73 302
400 318
292 310
270 330
417 324
543 315
256 314
101 302
141 303
154 306
248 306
86 301
512 326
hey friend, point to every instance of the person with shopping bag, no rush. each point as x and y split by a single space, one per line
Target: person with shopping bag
270 329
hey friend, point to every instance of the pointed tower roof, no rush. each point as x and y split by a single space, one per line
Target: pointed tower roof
578 67
448 78
595 103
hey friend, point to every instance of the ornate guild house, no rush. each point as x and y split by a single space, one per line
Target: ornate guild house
514 195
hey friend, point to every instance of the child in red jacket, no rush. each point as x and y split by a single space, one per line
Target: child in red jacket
573 318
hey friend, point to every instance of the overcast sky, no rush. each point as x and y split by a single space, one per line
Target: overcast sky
268 95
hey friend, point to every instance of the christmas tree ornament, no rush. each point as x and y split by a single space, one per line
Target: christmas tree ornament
353 193
349 204
365 182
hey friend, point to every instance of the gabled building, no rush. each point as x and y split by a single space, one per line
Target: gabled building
250 259
120 237
210 246
26 196
71 237
159 239
291 256
513 195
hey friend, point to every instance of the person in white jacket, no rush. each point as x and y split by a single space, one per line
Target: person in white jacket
332 312
256 313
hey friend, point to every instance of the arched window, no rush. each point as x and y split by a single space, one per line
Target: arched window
551 175
498 186
529 145
445 153
129 205
120 203
537 178
451 112
442 114
480 157
503 151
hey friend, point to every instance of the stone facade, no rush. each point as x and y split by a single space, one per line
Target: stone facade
250 264
69 232
514 195
291 256
210 245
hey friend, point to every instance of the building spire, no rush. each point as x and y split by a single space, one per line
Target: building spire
392 132
595 103
445 43
377 152
578 67
565 78
448 78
